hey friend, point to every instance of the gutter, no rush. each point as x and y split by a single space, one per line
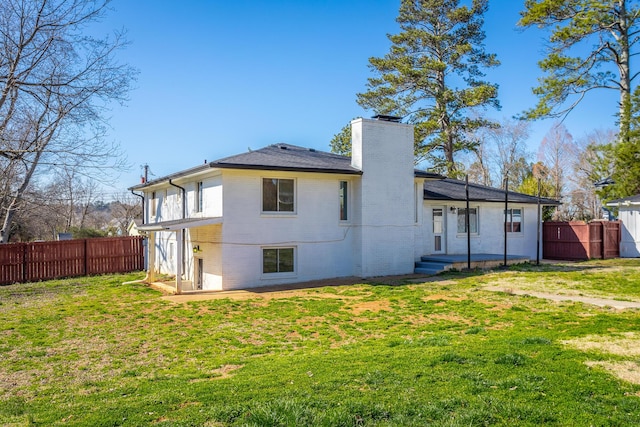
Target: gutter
184 198
142 197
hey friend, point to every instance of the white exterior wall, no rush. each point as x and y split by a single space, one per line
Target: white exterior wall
630 231
385 197
490 238
323 245
211 199
207 240
168 201
166 252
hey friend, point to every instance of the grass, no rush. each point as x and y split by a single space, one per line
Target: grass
95 352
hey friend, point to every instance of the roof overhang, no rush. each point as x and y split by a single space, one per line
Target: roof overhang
347 171
623 203
417 173
180 224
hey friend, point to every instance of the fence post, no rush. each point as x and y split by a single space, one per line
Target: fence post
25 264
604 239
86 268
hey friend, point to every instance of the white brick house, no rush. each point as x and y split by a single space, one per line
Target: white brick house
287 214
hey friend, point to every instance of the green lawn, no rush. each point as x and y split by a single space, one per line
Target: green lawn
95 352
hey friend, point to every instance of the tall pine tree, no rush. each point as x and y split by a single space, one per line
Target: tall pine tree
433 77
590 47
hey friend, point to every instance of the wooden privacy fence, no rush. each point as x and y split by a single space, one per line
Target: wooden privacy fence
28 262
578 240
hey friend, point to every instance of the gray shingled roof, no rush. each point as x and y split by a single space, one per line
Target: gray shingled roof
453 190
286 157
281 157
631 199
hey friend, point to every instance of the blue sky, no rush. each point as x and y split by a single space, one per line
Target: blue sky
217 77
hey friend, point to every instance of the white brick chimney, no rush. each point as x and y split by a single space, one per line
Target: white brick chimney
384 198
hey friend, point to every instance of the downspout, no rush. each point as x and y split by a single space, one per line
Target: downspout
149 276
539 223
184 215
506 208
467 222
142 197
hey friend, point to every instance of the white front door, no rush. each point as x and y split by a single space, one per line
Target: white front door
438 242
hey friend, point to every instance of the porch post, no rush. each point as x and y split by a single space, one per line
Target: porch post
179 234
151 262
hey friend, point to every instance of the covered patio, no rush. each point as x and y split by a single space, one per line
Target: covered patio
178 227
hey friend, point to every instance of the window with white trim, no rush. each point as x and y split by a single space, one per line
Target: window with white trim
473 220
199 196
277 260
153 202
513 222
278 195
344 212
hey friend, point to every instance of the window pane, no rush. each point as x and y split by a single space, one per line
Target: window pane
285 260
473 220
513 220
199 195
516 219
461 221
437 221
285 195
277 260
269 260
269 195
343 200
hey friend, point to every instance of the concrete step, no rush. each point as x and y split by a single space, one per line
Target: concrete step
431 267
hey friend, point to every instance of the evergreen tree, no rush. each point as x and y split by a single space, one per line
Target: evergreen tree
433 76
608 30
341 142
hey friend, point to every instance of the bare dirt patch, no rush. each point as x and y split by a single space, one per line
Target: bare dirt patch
626 370
628 344
225 371
417 319
451 318
372 306
442 297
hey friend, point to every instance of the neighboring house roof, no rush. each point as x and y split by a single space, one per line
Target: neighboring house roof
627 201
454 190
281 157
604 182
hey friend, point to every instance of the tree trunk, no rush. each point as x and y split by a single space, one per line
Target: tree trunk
16 198
623 68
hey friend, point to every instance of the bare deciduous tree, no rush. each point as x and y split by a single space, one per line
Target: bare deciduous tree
586 171
56 83
557 152
501 152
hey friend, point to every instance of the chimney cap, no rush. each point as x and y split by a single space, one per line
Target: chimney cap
386 118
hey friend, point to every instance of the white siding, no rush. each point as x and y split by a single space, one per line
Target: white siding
630 232
211 197
490 236
386 196
208 241
166 252
323 244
